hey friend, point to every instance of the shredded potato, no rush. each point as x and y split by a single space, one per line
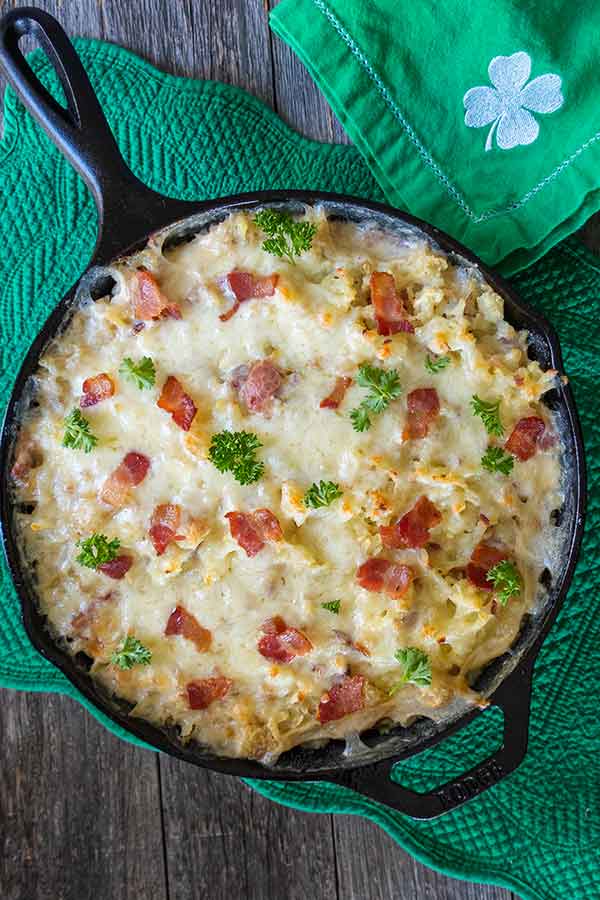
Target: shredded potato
318 325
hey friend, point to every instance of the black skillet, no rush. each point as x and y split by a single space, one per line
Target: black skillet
129 212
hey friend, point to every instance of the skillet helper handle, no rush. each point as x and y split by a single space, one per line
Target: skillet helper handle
513 697
80 130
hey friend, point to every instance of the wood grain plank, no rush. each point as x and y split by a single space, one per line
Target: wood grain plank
371 866
225 41
225 841
78 807
297 98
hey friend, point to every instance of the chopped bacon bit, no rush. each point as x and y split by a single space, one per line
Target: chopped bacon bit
342 698
95 389
484 519
81 622
163 526
525 437
184 623
333 400
27 457
174 400
412 530
379 574
117 567
262 383
280 643
150 302
128 474
137 327
246 286
423 406
484 557
137 466
204 691
252 530
390 311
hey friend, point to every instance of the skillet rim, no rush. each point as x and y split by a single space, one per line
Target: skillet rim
157 737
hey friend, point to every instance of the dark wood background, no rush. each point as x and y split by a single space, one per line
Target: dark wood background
84 816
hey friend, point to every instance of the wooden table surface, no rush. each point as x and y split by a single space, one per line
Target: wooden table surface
84 816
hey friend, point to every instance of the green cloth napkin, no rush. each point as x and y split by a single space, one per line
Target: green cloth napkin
539 831
480 116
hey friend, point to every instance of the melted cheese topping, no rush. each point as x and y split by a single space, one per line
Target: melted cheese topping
317 326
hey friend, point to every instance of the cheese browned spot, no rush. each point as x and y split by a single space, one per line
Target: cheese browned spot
226 583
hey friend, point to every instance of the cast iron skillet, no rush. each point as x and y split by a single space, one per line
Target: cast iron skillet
128 213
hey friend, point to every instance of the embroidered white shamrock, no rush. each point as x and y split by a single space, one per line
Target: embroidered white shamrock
507 105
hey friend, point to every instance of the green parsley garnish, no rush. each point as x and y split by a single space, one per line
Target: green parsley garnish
489 414
235 452
77 433
132 653
286 237
322 494
383 387
496 460
506 580
333 606
416 668
436 364
96 550
143 373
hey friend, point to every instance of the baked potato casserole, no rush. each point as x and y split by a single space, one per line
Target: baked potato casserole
290 480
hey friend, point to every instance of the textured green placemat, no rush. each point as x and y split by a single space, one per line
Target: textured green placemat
539 831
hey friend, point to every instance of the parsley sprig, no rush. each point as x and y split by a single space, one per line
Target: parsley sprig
143 374
489 413
132 653
322 494
235 452
285 236
436 364
78 434
96 550
496 460
333 606
506 580
416 668
383 387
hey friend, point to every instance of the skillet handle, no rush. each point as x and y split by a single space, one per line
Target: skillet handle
513 697
127 209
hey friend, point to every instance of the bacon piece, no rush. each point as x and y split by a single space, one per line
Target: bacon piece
204 691
423 407
95 389
174 400
525 437
246 286
150 302
484 557
128 474
333 400
27 457
184 623
282 643
117 567
253 529
412 530
379 574
390 312
81 622
262 383
342 698
163 526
